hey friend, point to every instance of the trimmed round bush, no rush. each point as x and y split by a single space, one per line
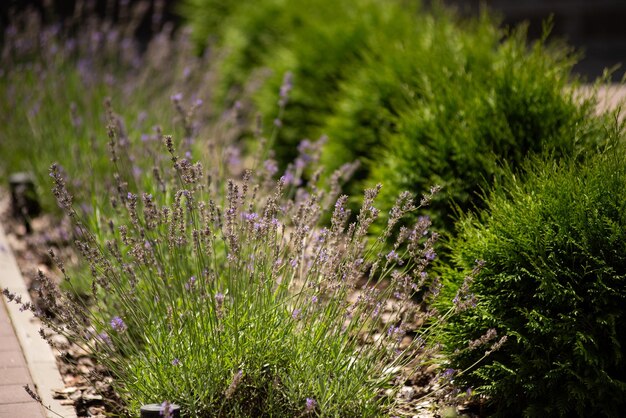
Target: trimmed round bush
320 42
450 104
554 282
324 51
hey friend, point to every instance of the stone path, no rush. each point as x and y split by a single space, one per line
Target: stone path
14 374
25 358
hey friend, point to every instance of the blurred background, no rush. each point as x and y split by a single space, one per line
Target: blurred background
597 28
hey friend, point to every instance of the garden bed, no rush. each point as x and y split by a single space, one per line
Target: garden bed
76 364
212 263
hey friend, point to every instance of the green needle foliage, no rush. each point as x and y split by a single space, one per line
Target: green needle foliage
451 104
319 42
554 282
420 97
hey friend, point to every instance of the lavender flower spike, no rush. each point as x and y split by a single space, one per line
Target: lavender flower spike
311 404
118 324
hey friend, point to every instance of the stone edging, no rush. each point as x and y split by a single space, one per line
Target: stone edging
38 354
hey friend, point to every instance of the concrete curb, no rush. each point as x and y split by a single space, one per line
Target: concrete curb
38 354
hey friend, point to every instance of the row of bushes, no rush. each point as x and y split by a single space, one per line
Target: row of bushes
423 98
439 100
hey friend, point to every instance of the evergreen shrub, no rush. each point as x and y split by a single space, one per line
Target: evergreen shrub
450 104
319 42
325 51
554 281
420 97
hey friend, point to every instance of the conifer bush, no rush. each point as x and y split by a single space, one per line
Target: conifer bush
319 42
553 280
326 50
420 96
450 105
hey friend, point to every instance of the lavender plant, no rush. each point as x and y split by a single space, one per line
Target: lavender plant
229 298
56 76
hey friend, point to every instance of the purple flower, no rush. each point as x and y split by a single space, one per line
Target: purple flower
377 309
190 283
296 313
104 337
430 254
311 404
176 362
271 167
176 97
250 216
395 331
118 324
448 373
166 410
300 163
285 88
233 156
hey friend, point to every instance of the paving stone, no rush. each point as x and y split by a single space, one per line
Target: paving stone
6 329
21 410
20 343
9 343
13 358
14 394
14 376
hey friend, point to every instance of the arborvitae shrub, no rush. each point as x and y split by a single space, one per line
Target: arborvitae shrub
554 281
422 98
241 35
450 103
243 44
325 50
208 18
320 42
